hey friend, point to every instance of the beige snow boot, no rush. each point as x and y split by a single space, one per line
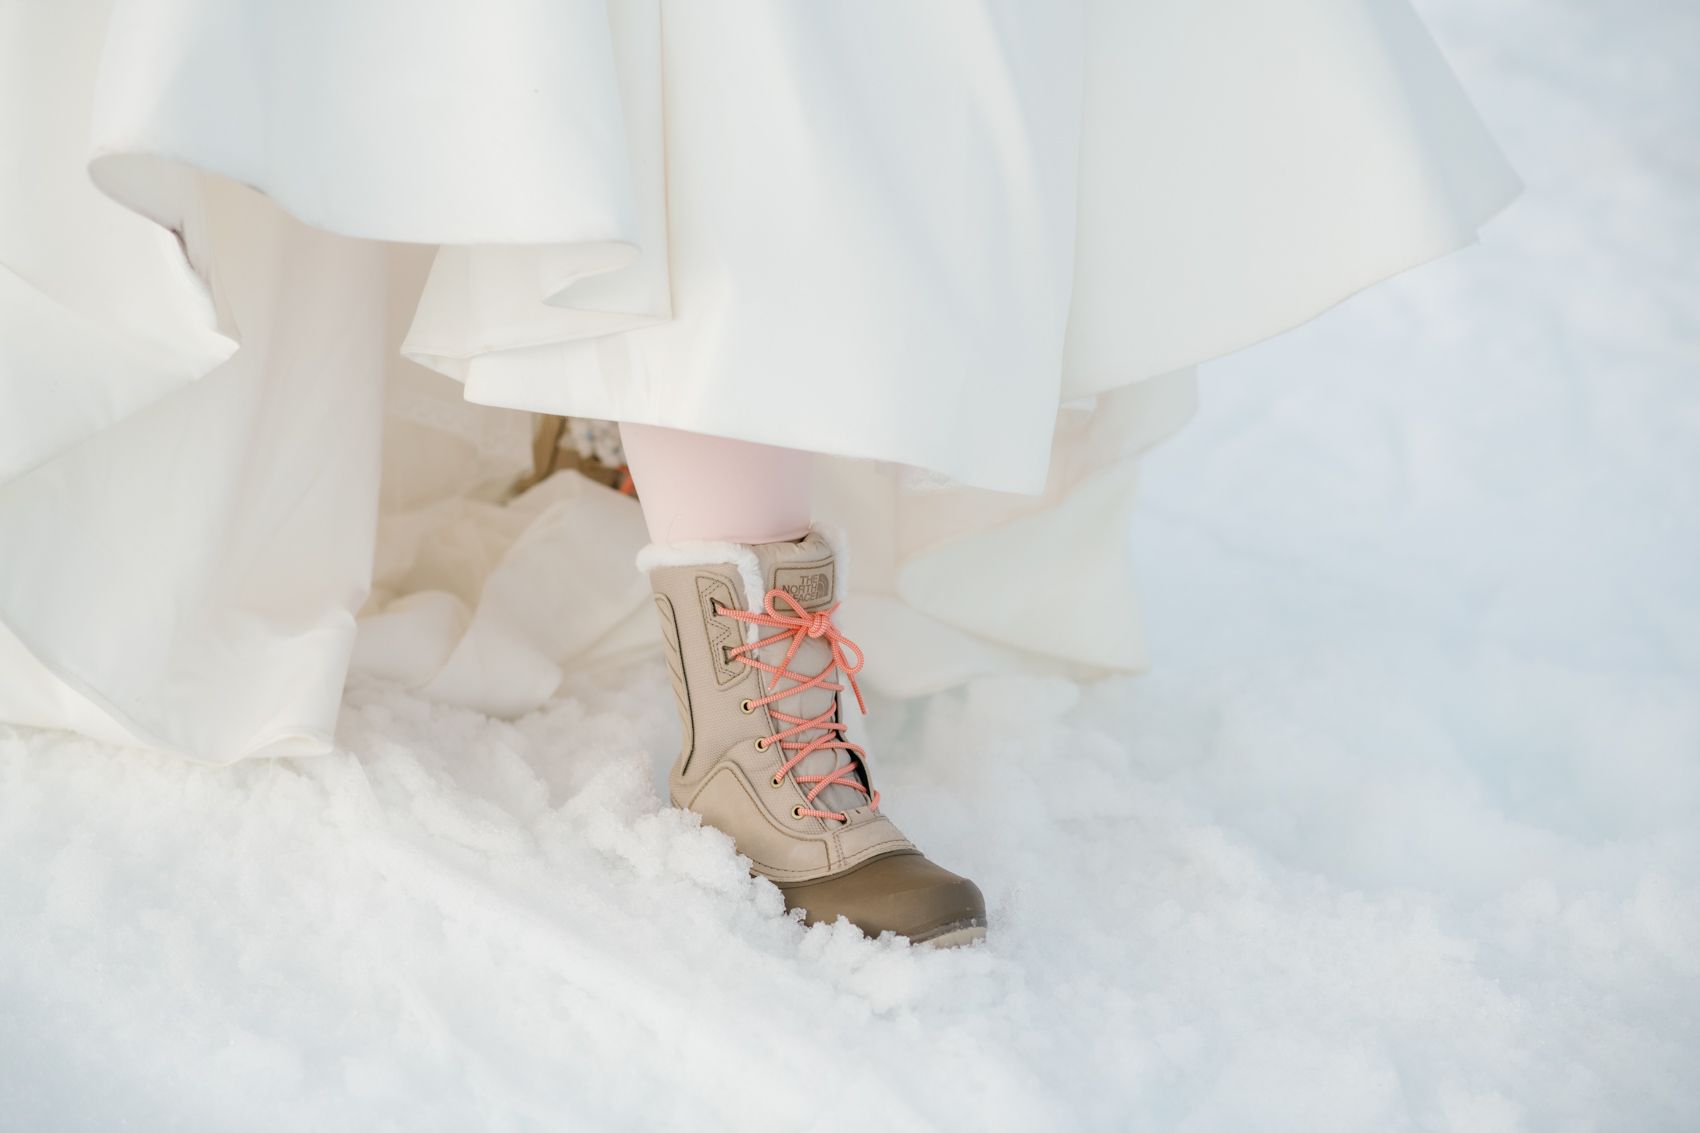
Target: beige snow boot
757 667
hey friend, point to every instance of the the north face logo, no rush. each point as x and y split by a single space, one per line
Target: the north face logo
808 588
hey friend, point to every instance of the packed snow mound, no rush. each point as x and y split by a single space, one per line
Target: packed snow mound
1400 835
1243 900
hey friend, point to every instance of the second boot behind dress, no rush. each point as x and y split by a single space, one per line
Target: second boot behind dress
758 668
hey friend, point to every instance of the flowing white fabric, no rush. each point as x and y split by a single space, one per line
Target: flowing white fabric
974 248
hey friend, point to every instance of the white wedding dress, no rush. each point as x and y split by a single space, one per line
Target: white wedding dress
248 248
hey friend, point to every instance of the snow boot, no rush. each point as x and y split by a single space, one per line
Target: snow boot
757 664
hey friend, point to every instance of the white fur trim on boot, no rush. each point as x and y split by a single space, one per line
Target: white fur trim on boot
741 555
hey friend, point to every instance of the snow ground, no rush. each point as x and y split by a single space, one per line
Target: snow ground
1401 834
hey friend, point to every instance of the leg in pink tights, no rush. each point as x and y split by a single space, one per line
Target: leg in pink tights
697 487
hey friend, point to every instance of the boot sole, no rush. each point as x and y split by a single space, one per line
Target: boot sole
957 935
878 896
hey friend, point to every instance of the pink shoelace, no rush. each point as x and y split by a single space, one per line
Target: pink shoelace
799 625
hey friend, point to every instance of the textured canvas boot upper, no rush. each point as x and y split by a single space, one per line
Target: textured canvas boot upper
731 768
763 676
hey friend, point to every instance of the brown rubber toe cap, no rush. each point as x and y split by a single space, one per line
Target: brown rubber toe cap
903 893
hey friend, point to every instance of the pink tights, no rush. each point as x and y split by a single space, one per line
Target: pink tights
697 487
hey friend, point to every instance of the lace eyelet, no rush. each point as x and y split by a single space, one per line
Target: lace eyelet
777 781
797 811
763 744
747 705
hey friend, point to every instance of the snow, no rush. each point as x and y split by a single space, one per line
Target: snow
1400 834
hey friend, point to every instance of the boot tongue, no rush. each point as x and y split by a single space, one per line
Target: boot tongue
805 570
